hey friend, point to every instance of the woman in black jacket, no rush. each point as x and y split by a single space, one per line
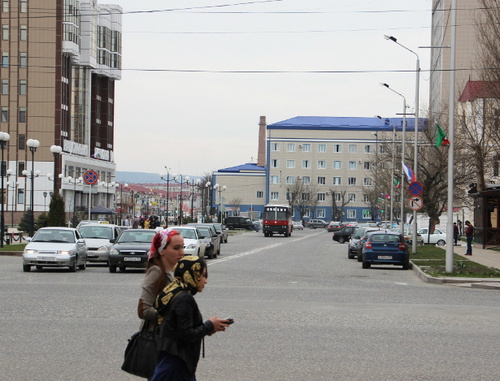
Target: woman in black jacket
182 327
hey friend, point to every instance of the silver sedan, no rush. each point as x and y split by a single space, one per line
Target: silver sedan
55 247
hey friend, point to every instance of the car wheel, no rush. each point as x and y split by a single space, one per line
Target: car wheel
366 265
26 268
83 266
311 227
341 240
406 264
441 242
112 269
38 267
225 241
72 268
211 254
349 254
122 268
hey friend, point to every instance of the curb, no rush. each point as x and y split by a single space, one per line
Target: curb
12 253
484 283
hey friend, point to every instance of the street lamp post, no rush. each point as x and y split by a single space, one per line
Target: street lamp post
32 144
56 151
4 138
208 200
193 185
186 179
167 179
44 200
107 186
121 200
403 144
417 106
73 181
220 189
13 185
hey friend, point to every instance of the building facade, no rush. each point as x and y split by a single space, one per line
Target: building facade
60 61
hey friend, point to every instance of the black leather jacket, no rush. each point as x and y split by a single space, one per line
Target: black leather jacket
183 329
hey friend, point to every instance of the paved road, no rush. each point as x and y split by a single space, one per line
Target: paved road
303 311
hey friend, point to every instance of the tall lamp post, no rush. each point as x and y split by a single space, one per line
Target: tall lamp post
167 179
56 151
12 186
4 138
73 181
121 186
193 185
208 201
417 106
186 179
402 157
220 189
107 186
32 144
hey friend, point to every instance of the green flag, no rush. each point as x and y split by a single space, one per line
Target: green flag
441 137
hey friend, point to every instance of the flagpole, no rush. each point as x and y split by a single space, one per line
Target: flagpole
392 175
451 136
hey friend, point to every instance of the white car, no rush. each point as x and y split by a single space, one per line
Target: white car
55 247
193 244
297 225
437 238
98 239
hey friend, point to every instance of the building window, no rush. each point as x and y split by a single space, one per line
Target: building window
290 179
368 148
260 194
275 196
321 180
366 165
322 148
337 148
5 5
306 147
352 197
23 60
353 148
21 166
367 182
321 196
22 115
351 213
290 163
367 214
275 179
337 165
275 163
24 33
290 147
275 146
320 213
366 198
351 181
5 32
338 197
20 196
23 6
23 88
5 87
337 181
21 143
306 164
5 60
306 196
306 180
352 165
5 114
321 164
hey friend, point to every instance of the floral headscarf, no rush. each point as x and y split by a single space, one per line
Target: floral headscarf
160 241
186 278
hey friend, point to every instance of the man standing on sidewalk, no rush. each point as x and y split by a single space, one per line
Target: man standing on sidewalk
469 234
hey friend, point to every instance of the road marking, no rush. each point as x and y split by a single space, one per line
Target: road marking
255 251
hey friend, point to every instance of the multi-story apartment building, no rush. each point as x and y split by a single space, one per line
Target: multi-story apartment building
60 61
331 156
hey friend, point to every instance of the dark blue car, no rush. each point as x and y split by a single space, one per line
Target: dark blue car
385 248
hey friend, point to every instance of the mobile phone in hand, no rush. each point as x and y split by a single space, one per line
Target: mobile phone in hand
229 320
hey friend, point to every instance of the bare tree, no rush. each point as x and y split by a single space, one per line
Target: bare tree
302 197
235 205
338 206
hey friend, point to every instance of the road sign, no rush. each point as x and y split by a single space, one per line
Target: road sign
90 177
416 188
415 203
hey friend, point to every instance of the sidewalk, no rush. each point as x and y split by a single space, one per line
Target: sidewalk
485 257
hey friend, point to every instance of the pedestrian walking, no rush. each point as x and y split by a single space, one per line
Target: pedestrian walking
469 234
455 233
182 327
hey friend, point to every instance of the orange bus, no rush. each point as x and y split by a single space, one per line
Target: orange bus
277 219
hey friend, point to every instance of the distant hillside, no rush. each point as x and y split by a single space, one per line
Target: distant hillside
137 177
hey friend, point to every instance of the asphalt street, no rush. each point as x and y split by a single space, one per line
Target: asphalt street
302 310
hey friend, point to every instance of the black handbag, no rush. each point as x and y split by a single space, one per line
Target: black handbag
141 354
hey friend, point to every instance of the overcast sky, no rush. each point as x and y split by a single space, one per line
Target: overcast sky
198 74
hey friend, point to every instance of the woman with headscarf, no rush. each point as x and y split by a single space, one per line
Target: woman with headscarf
182 327
167 248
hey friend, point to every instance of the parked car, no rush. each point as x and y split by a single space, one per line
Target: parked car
352 248
437 238
316 223
239 223
130 249
211 239
98 239
343 234
297 225
334 226
409 236
55 247
362 240
385 247
193 245
221 231
87 222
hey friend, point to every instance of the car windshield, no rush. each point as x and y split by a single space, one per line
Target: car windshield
205 232
97 232
145 236
54 236
358 233
187 233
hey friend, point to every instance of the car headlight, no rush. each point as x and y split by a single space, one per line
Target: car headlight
30 251
113 251
65 252
191 246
